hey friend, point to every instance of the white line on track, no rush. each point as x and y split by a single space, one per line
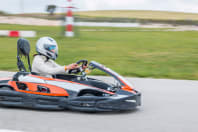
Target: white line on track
6 130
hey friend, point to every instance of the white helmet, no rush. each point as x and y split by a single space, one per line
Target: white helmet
47 46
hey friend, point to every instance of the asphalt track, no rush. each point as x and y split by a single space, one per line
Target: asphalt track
167 106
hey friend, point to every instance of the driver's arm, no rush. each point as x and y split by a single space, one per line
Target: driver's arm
41 66
67 68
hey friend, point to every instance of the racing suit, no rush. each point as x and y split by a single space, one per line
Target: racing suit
47 67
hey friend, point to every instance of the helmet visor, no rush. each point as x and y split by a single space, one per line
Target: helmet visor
51 48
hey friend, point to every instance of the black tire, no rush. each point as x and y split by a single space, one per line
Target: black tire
6 88
88 94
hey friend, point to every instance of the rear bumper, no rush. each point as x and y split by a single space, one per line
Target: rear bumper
11 98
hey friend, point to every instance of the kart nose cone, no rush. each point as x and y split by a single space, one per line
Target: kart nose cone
126 103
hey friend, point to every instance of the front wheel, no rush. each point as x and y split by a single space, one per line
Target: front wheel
88 94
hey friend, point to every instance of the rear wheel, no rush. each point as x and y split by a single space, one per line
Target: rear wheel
5 88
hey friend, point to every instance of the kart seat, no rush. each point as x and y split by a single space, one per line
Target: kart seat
23 49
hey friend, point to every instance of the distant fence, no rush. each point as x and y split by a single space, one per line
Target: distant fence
10 33
106 24
134 20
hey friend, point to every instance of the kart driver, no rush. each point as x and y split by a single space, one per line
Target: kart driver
44 63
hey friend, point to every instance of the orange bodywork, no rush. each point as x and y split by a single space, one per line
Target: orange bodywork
45 78
54 90
127 87
32 89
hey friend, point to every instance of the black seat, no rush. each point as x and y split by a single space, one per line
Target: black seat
23 49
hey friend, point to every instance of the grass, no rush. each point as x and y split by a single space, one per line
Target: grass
155 54
131 14
125 16
140 14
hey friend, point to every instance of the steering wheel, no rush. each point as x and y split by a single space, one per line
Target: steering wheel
80 69
84 62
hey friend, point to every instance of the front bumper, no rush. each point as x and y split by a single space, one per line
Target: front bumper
105 104
127 103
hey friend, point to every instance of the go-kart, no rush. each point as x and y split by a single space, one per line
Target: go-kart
71 91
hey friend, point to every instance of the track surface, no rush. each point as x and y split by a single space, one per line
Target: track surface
168 106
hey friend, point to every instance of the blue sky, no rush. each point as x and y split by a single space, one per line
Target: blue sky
14 6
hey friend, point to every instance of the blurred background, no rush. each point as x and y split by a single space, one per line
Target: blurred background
37 6
139 38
